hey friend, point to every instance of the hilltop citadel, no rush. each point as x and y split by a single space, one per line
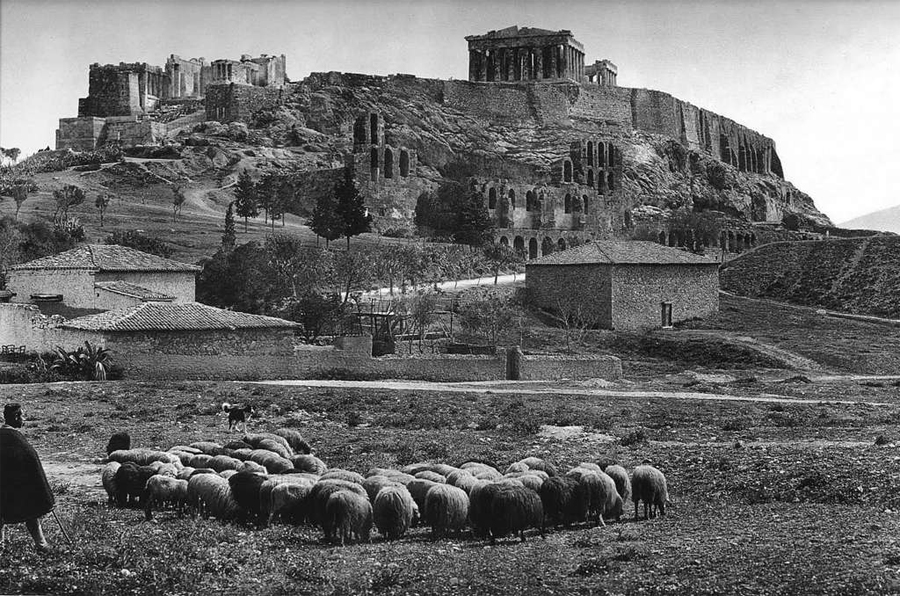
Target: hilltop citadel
557 149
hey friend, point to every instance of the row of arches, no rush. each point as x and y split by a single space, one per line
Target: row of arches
602 179
726 240
599 154
534 247
389 162
535 201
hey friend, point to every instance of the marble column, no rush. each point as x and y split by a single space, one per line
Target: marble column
539 63
473 68
482 66
554 62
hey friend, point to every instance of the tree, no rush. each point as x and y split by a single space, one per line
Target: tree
240 279
500 256
12 153
229 237
351 210
473 224
488 314
245 198
353 270
20 191
266 190
389 264
178 200
325 221
299 268
102 204
67 197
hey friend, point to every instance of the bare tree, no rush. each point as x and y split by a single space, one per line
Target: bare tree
102 204
178 200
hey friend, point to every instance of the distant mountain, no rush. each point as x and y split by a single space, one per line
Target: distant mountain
886 220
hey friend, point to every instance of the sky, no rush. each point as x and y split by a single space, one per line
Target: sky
821 77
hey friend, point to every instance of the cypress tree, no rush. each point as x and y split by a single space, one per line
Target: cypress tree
229 237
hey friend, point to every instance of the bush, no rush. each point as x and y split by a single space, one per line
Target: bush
635 437
136 240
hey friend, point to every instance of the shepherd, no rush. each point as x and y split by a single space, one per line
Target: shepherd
25 494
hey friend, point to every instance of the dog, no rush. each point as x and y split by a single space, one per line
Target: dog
237 416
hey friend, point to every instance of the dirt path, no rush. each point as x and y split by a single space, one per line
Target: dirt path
518 388
790 359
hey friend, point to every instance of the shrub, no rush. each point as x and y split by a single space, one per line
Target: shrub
85 363
635 437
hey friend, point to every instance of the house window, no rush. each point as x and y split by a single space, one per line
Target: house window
667 315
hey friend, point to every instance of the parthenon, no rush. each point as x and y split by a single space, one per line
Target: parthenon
525 54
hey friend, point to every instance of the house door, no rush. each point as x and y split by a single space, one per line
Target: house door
666 315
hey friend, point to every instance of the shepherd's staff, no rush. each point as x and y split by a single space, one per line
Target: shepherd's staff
61 527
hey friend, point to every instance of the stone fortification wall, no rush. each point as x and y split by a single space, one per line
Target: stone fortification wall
79 134
230 102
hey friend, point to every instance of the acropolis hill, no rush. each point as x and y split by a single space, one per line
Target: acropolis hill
558 150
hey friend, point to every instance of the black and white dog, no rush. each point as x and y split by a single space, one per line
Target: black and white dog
237 416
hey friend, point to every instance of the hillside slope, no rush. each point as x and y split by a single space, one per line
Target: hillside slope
858 275
885 220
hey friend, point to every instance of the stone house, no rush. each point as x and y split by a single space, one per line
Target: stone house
625 285
102 277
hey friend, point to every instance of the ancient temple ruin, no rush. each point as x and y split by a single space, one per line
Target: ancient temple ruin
525 54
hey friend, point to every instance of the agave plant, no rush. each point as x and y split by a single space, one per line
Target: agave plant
87 362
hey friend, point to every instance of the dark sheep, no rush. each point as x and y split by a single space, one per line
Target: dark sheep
649 485
118 442
309 463
512 509
318 499
348 514
245 486
131 479
620 477
565 500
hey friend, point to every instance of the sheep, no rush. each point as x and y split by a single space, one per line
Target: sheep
265 490
309 463
131 480
235 445
269 441
590 466
185 473
198 471
516 467
482 471
211 495
348 514
207 447
108 476
527 479
649 485
480 496
620 477
142 457
419 488
394 511
564 500
395 475
513 509
446 509
201 460
536 463
226 474
167 469
413 469
252 466
183 456
318 498
289 500
220 463
120 441
443 469
274 463
245 486
295 440
462 479
242 454
429 475
184 449
338 474
164 490
603 499
373 484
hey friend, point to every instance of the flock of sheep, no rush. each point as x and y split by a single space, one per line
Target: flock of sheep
273 475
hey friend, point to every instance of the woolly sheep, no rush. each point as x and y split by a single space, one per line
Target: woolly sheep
265 491
108 477
309 463
603 499
527 479
184 449
446 509
348 515
394 511
620 477
462 479
398 476
267 440
274 463
185 473
516 467
220 463
294 439
131 479
338 474
245 486
241 454
443 469
488 474
120 441
226 474
649 485
235 445
183 456
201 460
318 498
430 475
164 490
564 500
211 495
202 471
373 484
481 470
512 510
207 447
142 457
536 463
480 497
252 466
166 469
413 469
290 502
418 488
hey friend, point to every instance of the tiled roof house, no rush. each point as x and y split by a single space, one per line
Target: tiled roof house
625 284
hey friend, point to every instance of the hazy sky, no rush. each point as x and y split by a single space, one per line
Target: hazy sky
821 78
